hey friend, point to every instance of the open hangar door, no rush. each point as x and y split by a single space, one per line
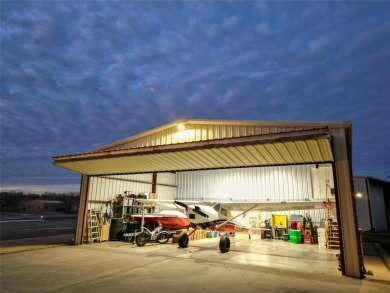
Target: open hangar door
189 145
255 184
284 184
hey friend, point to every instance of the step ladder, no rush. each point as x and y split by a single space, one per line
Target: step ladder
332 229
333 241
93 232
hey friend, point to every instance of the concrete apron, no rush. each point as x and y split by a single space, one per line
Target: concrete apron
251 265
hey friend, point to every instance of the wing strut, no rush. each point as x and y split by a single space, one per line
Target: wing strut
226 222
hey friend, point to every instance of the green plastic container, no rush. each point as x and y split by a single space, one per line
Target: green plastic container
296 240
295 233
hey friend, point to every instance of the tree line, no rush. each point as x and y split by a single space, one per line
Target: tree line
10 201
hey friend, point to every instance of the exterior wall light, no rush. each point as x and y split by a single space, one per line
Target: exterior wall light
181 126
359 194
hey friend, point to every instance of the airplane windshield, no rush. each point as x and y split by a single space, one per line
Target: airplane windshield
219 209
223 212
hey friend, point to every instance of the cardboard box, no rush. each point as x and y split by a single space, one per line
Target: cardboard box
105 232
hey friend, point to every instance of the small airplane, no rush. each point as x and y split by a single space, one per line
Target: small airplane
214 216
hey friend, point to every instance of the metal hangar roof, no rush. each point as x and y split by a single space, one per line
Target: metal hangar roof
209 144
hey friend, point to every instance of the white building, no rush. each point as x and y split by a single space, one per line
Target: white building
372 203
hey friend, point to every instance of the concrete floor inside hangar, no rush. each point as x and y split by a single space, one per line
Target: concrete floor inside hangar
277 254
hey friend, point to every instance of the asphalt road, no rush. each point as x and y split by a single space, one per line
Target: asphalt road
19 226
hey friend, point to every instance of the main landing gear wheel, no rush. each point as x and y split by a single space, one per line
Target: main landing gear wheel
141 239
182 240
224 244
163 237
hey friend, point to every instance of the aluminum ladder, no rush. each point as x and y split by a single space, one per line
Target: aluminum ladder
93 228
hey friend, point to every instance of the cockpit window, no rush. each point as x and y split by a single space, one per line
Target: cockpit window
223 212
219 209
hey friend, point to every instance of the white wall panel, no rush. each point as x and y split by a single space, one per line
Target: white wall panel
166 186
166 178
107 188
262 183
103 189
322 181
166 192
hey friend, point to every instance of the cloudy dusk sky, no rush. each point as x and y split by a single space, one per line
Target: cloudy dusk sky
76 75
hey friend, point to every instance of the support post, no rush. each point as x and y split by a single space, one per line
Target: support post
350 248
83 211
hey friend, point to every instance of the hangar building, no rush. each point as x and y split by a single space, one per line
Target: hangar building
212 160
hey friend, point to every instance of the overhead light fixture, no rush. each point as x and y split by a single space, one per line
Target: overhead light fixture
359 194
181 126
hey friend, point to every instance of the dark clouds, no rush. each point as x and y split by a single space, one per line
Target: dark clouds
77 75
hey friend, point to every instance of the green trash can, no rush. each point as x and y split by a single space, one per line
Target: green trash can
295 236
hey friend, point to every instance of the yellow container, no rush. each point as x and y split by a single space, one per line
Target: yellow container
279 221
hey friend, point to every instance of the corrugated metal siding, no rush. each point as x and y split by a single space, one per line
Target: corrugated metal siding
322 181
362 204
202 132
163 191
378 207
261 184
107 188
166 193
166 178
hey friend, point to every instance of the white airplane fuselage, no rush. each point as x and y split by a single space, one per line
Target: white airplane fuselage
201 214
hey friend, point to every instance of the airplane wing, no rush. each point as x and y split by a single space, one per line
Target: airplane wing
269 206
266 206
243 207
155 202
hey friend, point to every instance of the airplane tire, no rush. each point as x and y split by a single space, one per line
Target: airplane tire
141 239
224 244
182 240
163 237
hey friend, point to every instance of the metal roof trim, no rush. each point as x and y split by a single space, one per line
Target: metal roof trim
210 144
269 123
